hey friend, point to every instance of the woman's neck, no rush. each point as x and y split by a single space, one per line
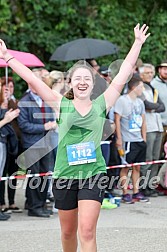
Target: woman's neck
82 101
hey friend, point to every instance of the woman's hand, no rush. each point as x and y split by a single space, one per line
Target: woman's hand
6 96
11 114
4 52
4 105
140 33
3 49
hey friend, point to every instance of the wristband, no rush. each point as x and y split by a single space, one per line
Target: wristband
9 59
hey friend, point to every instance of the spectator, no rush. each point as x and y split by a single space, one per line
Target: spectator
114 159
160 83
94 64
35 123
45 75
110 135
153 106
11 166
56 81
138 64
131 135
6 135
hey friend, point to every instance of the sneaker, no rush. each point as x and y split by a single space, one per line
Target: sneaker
47 211
51 199
106 204
15 209
3 216
6 210
139 197
127 198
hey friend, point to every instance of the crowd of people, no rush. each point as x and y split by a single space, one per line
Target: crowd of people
140 130
76 124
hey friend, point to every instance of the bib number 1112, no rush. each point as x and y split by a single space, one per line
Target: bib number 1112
81 153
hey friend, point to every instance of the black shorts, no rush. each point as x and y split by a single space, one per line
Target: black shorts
67 192
135 152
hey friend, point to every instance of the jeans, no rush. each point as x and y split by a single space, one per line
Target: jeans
2 157
153 141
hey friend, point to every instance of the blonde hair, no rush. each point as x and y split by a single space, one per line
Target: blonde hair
55 76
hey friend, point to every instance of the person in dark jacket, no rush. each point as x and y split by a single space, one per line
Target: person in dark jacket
35 122
11 166
5 132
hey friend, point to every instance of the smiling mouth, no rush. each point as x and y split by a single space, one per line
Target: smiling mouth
82 88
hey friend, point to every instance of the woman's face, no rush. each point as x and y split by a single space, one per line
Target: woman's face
82 83
10 87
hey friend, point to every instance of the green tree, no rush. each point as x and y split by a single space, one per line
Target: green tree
40 26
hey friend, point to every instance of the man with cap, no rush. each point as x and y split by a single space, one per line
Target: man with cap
160 83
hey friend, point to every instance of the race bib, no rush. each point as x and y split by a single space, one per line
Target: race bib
81 153
135 123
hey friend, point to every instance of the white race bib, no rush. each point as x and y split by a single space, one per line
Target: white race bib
81 153
135 123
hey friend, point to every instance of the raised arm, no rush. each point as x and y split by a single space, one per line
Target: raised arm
51 98
115 88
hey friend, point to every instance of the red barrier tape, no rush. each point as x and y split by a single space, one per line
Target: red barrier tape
109 167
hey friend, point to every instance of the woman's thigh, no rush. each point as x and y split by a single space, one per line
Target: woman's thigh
69 220
88 214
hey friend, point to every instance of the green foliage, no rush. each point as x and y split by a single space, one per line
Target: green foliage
40 26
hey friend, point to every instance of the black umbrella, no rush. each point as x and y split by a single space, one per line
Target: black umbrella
84 48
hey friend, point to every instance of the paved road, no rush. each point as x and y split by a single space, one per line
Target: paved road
141 227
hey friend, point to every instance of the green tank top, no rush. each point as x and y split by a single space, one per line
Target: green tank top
76 129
